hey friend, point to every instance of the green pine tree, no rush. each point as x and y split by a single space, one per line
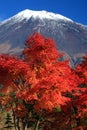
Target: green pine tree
8 122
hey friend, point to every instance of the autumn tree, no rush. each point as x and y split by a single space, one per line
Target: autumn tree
39 83
81 101
13 73
53 79
74 114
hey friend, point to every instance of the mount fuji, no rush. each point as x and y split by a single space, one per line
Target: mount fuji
70 36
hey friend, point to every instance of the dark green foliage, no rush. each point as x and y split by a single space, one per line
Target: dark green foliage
8 122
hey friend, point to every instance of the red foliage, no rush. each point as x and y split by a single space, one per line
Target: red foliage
81 100
81 70
52 77
45 82
13 72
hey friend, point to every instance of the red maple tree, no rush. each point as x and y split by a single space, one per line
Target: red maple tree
13 73
53 78
41 83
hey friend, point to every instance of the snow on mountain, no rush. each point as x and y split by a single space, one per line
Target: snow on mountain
41 14
27 14
70 36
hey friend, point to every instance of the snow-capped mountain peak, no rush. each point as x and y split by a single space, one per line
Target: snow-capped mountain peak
70 36
27 14
41 14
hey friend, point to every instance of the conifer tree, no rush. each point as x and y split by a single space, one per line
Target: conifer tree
8 122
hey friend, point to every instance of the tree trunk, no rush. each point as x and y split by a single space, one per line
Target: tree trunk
18 124
14 120
36 125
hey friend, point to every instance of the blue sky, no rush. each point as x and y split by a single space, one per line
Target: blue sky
73 9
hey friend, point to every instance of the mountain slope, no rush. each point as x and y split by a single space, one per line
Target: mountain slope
71 37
